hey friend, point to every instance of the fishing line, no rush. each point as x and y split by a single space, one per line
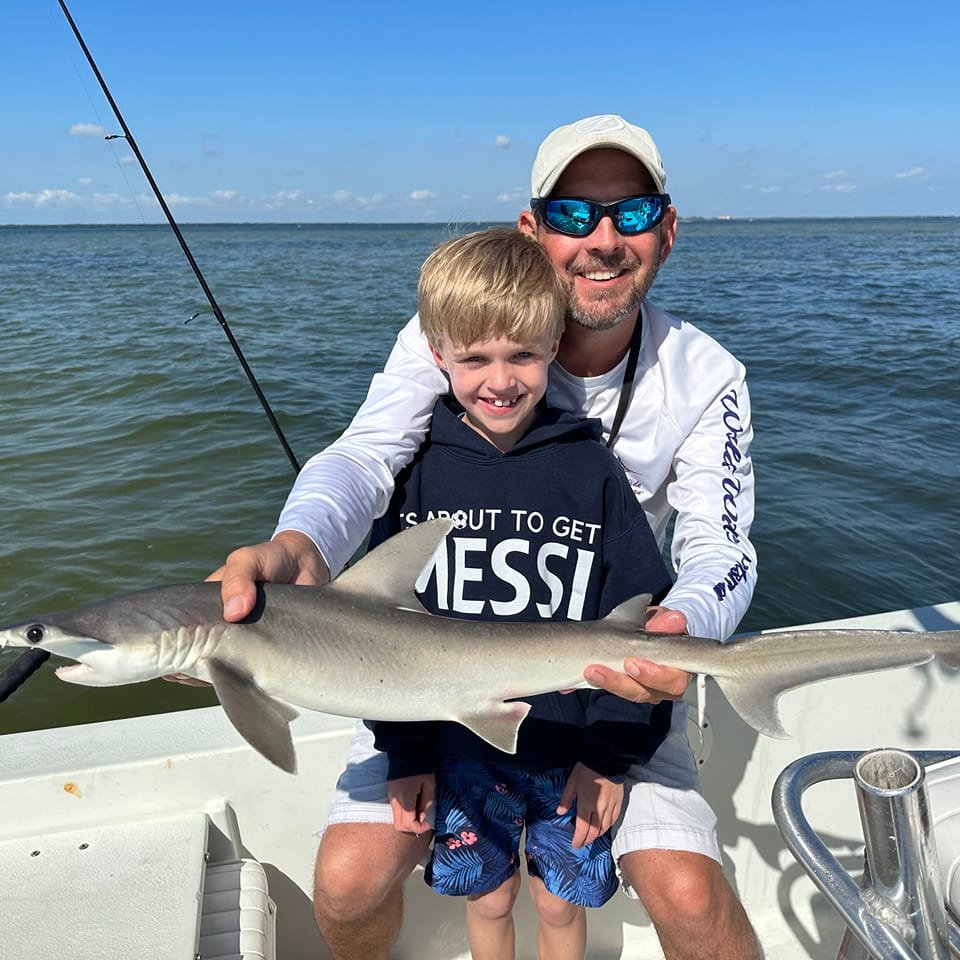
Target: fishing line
214 306
24 666
117 159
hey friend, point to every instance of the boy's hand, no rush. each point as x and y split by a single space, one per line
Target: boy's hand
411 798
291 557
642 680
598 803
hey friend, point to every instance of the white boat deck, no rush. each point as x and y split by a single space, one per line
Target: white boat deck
160 801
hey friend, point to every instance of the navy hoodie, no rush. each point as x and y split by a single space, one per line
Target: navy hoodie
549 530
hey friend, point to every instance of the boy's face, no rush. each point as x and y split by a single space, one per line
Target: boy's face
499 383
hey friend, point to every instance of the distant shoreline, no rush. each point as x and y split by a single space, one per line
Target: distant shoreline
448 223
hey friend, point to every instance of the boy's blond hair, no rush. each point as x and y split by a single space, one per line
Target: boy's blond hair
494 283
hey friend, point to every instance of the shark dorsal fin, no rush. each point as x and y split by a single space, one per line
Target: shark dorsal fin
632 612
391 570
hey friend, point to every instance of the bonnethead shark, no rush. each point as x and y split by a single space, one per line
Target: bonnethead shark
363 646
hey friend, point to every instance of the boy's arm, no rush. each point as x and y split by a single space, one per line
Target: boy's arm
411 800
599 801
410 746
411 760
341 489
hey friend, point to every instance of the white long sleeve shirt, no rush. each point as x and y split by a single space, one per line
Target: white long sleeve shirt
684 444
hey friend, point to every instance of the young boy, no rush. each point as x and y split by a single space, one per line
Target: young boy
547 528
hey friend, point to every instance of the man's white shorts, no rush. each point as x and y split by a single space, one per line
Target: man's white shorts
663 808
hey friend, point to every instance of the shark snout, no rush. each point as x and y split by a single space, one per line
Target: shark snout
28 635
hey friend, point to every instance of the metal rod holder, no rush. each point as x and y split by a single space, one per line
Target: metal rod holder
899 912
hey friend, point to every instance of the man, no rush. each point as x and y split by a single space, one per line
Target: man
600 211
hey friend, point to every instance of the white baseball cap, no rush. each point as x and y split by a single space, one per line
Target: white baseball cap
606 130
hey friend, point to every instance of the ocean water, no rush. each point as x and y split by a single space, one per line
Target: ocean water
134 453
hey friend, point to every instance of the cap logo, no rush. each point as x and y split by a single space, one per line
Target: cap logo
602 124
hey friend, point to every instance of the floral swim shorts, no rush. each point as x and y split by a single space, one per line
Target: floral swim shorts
481 811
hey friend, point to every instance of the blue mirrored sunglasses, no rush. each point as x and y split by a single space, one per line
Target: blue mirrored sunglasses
579 218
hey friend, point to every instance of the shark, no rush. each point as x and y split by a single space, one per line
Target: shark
363 646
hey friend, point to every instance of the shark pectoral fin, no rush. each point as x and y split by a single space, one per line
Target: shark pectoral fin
756 703
498 725
260 719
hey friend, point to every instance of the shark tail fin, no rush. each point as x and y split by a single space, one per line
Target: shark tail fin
498 725
260 719
948 647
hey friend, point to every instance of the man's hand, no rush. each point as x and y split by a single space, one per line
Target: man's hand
598 803
290 557
410 800
642 680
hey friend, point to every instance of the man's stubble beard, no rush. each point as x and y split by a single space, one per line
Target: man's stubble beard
594 317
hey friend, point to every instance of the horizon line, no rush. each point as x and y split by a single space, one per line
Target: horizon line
723 218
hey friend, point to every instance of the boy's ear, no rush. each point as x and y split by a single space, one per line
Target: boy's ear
554 349
437 359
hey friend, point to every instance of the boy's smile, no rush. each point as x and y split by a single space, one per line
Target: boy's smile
499 383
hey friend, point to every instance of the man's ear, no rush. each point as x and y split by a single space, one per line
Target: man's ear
668 234
527 223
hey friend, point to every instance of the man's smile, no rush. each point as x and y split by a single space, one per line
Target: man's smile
602 274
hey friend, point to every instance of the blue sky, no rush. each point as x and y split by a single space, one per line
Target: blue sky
296 111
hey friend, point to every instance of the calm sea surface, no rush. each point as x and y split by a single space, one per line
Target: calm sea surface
133 452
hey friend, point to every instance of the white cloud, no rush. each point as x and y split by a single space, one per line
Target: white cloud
501 140
64 199
225 195
86 130
42 198
912 174
182 200
420 195
513 195
129 158
769 189
836 175
85 181
355 200
839 187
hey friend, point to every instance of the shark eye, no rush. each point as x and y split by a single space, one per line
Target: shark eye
34 634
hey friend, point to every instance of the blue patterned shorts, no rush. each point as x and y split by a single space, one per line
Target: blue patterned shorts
482 810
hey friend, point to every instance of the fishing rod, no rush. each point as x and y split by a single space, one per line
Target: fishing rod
28 662
214 306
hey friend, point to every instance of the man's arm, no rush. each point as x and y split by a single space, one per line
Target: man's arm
340 490
713 495
344 487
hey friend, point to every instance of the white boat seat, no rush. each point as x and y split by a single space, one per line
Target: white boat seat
237 918
131 889
943 789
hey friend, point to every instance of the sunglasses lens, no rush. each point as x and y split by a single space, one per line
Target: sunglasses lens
576 218
638 214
